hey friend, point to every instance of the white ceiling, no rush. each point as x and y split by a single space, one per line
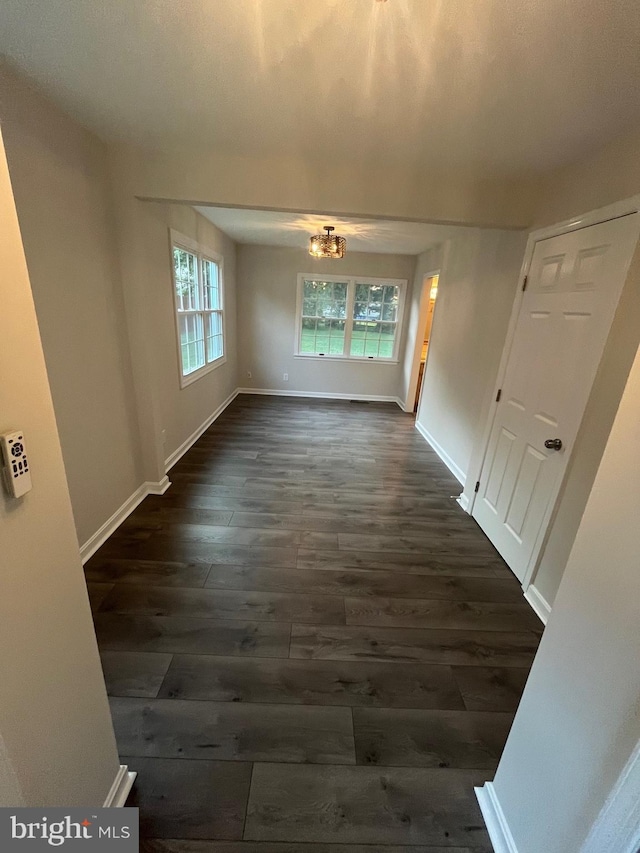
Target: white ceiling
274 228
498 87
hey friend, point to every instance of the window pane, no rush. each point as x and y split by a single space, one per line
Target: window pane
322 336
310 289
335 309
387 336
191 342
389 311
362 293
215 347
372 339
324 308
374 311
359 331
360 310
372 342
358 336
211 275
336 337
376 302
340 291
308 336
186 280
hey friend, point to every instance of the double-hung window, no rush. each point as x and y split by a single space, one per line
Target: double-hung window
349 317
199 308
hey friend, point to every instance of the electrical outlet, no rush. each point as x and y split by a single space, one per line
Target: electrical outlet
248 374
285 376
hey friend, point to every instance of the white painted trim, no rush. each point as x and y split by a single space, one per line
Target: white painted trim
577 223
463 500
423 313
457 472
494 818
617 827
202 253
111 524
158 488
615 830
189 442
323 395
349 359
122 784
538 602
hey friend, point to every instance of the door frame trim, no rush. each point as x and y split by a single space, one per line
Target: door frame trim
598 216
423 306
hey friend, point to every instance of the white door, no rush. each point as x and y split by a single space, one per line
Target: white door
572 292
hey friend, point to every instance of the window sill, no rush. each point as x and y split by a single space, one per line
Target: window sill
190 378
350 359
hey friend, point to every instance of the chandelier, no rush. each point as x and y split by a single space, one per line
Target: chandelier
328 245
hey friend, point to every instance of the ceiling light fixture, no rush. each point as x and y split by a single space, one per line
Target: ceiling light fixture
328 245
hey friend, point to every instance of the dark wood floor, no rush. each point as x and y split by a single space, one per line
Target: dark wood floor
308 645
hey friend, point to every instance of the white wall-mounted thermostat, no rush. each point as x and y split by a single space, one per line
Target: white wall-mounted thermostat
16 465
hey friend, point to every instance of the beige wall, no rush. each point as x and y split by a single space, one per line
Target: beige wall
603 177
334 186
59 174
579 716
100 266
168 414
57 746
184 410
268 279
475 296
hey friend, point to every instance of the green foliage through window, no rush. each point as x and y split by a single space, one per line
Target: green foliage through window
350 318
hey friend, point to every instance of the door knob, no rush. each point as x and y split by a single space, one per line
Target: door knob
553 444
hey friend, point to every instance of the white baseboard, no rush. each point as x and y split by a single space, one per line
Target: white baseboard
464 501
538 602
494 818
188 444
157 488
323 395
122 784
148 488
104 532
457 472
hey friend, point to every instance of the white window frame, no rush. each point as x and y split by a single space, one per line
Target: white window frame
180 241
351 280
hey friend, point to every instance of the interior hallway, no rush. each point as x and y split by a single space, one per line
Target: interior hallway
307 640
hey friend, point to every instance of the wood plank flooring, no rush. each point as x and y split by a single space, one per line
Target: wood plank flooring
307 644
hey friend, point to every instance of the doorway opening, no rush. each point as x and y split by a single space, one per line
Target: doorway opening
427 307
